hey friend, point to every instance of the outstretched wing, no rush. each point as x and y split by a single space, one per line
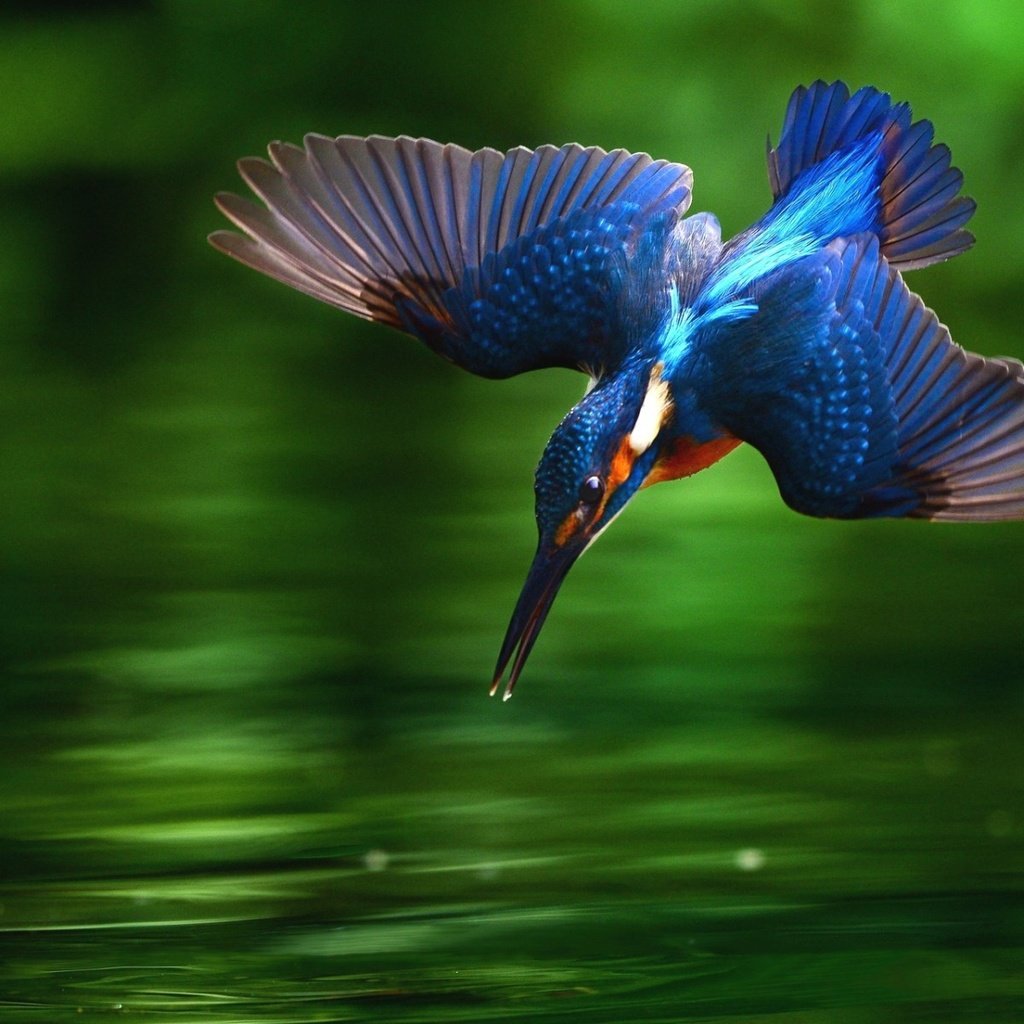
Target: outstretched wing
862 403
500 262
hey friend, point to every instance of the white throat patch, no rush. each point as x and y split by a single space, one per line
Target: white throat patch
655 409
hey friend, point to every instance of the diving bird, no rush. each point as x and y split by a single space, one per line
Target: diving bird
798 335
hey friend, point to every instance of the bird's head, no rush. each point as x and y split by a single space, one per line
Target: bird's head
596 460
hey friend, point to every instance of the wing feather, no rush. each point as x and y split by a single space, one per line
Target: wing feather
425 237
862 403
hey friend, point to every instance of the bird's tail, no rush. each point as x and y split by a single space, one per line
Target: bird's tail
920 215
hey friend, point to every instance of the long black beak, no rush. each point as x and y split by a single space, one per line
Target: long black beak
549 568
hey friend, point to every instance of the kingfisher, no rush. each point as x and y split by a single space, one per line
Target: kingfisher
797 336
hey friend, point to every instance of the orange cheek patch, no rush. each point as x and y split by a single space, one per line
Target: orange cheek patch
622 465
569 526
618 471
687 457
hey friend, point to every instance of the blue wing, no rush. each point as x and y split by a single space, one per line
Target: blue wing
910 189
862 403
499 262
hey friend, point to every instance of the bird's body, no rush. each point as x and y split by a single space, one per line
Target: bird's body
798 335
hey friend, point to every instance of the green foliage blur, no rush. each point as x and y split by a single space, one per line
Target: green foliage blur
258 557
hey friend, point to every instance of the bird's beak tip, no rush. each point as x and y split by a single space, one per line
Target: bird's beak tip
542 582
509 686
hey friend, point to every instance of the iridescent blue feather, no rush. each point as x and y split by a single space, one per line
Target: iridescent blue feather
917 213
499 262
860 401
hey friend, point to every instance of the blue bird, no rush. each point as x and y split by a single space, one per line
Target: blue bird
798 336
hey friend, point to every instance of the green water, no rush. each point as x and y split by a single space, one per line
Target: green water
258 561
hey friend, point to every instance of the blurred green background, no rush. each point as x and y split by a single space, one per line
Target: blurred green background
258 559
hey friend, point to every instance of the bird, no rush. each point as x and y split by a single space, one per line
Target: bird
798 336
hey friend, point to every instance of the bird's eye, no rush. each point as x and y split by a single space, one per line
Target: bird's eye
591 490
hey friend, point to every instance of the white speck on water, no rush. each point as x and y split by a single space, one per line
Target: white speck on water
375 860
749 859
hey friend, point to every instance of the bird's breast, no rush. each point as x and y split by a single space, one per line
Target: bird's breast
687 456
